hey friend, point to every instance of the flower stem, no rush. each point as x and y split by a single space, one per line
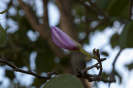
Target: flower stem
87 54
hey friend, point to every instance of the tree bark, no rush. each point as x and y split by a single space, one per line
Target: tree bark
67 25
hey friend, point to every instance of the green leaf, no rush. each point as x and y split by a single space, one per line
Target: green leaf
126 37
108 23
114 40
103 4
10 74
38 82
118 7
129 66
105 75
64 81
105 53
125 13
2 35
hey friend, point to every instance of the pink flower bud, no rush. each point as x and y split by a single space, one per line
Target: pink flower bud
62 40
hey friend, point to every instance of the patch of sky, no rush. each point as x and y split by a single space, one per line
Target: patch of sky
39 8
24 79
4 80
94 24
15 2
87 3
56 59
83 18
32 60
22 12
82 35
54 14
13 26
33 35
12 11
73 11
118 27
100 17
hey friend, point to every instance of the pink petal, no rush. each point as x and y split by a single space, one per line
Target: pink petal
62 40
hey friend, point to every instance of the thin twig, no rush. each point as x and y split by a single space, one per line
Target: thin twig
85 70
15 68
116 58
80 73
113 69
92 77
95 65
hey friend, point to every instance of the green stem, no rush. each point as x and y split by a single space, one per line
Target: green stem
87 54
83 51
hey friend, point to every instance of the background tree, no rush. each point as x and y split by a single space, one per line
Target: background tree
91 16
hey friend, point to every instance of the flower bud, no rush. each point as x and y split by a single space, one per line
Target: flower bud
62 40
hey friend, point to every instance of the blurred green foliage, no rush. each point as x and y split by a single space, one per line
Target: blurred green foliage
2 35
129 66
